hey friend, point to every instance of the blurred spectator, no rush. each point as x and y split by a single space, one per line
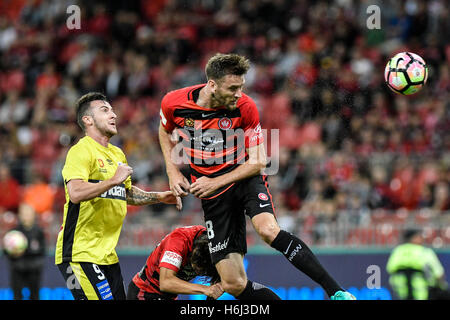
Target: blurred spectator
380 195
9 190
441 199
26 269
14 110
39 195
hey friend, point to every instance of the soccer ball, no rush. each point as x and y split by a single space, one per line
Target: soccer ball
15 242
406 73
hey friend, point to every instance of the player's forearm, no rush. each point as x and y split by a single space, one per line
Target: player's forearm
246 170
177 286
253 166
139 197
80 190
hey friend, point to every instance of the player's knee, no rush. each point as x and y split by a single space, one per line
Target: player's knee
234 286
268 232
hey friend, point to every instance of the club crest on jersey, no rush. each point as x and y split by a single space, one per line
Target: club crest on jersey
225 123
263 196
101 165
189 122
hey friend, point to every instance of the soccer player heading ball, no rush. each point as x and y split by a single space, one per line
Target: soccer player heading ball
222 138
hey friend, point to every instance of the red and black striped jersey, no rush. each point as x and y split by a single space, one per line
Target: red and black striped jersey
173 252
214 140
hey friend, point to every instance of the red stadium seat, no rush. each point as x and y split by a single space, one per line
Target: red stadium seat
361 236
445 235
378 216
422 217
386 234
138 237
400 216
429 234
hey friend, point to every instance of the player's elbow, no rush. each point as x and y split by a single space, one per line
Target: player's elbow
74 198
166 278
165 286
71 187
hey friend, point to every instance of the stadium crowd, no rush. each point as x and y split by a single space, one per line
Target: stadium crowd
348 147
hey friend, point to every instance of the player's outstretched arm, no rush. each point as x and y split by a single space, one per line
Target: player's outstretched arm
139 197
169 282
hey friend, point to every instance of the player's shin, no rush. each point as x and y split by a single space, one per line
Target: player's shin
299 254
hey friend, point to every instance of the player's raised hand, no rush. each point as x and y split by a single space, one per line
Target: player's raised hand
122 173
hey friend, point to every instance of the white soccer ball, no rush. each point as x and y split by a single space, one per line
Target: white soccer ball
406 73
15 243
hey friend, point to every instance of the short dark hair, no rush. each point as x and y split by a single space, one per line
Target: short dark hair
202 258
410 233
84 103
222 64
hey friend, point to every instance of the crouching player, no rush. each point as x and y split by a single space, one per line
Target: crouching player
181 256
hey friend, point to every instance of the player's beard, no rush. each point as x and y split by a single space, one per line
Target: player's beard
218 100
105 129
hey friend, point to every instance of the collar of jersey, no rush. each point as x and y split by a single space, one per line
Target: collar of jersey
92 141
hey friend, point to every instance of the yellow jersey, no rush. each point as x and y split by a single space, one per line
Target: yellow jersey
90 229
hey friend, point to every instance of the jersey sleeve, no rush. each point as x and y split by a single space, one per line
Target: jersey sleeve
434 264
175 252
166 114
77 165
251 125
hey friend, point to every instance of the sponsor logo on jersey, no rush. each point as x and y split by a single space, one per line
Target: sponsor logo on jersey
116 192
172 258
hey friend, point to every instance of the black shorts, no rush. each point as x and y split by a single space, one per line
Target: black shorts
89 281
224 215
